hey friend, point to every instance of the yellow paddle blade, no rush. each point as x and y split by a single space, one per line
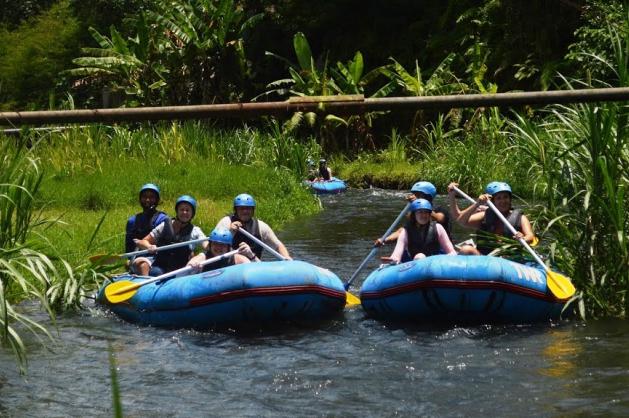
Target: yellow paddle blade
103 259
120 291
560 286
351 300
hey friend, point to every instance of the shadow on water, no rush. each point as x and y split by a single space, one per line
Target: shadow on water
350 365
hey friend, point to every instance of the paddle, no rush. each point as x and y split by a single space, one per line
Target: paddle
125 289
472 201
375 247
350 300
559 285
112 258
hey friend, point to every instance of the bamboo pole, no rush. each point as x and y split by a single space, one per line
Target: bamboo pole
343 105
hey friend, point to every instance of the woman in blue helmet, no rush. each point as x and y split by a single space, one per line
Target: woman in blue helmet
140 224
421 236
422 190
171 231
244 208
221 241
487 221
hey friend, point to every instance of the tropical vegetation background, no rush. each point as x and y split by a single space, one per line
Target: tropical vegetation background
62 199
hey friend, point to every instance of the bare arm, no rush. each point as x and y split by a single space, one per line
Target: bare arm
470 217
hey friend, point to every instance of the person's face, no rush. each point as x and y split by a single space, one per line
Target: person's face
184 212
219 248
422 217
244 213
148 199
421 195
502 200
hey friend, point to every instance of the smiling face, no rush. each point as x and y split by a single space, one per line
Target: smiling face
148 199
219 248
244 213
502 200
184 212
422 217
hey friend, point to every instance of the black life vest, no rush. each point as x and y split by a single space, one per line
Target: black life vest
225 262
254 229
324 173
169 260
490 224
142 224
423 240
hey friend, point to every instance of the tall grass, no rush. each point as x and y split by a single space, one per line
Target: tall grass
26 269
580 157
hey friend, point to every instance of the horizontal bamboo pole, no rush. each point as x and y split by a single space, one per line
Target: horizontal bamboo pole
343 105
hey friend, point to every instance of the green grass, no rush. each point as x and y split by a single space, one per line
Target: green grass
82 199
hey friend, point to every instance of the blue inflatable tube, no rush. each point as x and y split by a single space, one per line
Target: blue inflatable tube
331 186
249 293
460 289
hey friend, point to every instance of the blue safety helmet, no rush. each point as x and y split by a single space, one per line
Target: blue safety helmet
221 235
150 186
497 187
420 204
244 199
426 188
189 200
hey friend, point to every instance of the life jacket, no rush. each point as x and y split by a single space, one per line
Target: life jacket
490 224
169 260
324 173
423 239
225 262
254 229
140 226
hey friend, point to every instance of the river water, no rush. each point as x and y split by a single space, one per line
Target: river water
349 366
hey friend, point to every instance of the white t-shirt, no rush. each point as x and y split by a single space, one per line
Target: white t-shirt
266 233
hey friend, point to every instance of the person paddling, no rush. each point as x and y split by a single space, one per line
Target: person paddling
243 217
422 190
421 236
221 240
171 231
500 194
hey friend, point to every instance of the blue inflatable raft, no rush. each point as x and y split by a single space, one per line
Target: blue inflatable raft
460 289
331 186
249 293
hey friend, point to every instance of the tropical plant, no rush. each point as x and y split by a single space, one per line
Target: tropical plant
307 78
412 83
126 66
205 53
580 157
194 54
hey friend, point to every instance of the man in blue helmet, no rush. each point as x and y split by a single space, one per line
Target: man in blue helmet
221 240
243 217
179 229
422 190
487 221
140 224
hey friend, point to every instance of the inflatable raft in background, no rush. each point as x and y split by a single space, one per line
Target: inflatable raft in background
252 293
460 289
331 186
